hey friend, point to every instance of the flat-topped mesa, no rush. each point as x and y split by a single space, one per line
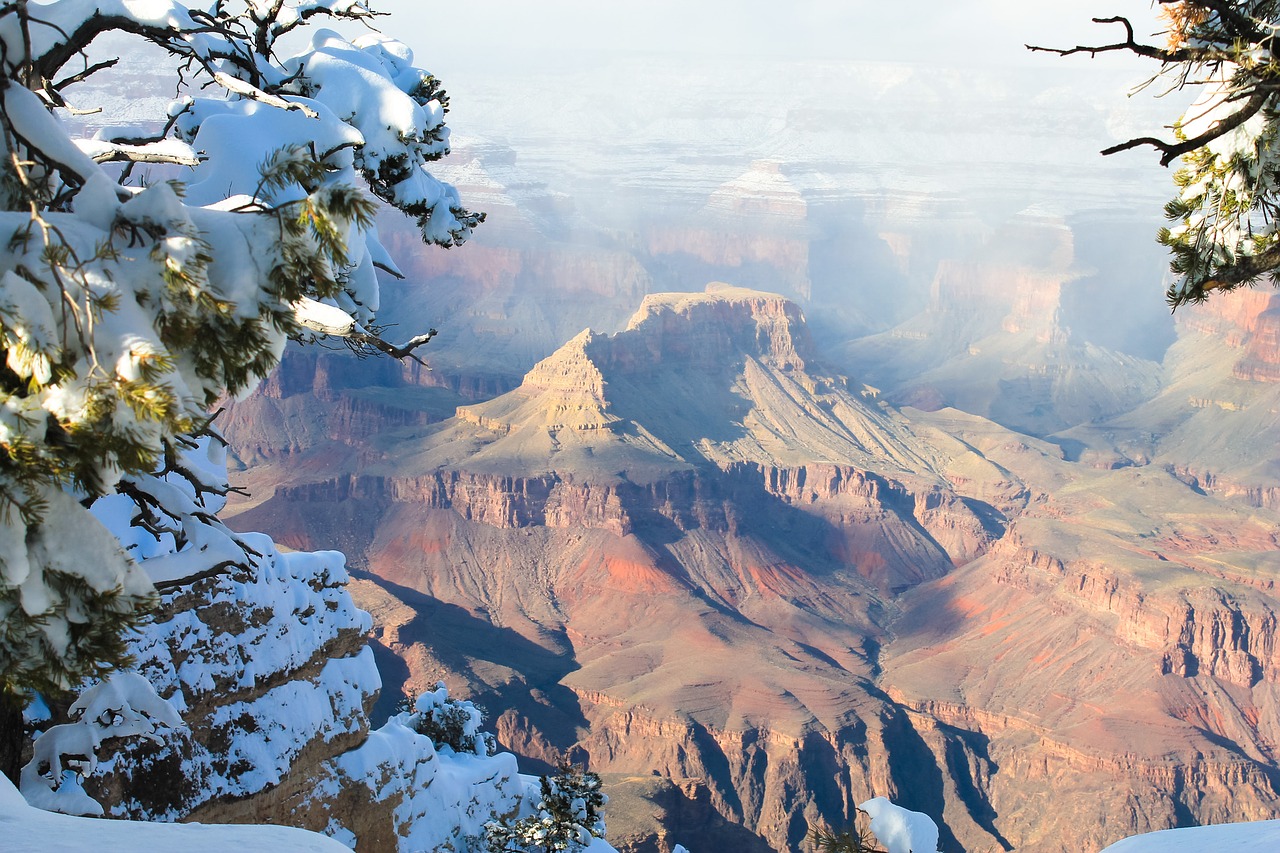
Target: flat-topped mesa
711 329
728 376
686 333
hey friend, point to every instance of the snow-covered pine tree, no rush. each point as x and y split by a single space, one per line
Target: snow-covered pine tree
1224 230
565 818
127 308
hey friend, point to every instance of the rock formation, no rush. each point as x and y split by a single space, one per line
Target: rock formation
1111 653
685 549
274 678
641 510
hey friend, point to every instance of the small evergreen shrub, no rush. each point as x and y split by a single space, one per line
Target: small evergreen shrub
452 723
569 814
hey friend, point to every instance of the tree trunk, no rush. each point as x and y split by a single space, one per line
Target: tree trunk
12 736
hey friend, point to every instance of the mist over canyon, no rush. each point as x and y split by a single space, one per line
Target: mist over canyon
787 453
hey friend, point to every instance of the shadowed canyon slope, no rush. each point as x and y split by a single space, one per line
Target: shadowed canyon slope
686 549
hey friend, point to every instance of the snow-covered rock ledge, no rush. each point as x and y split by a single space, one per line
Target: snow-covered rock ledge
31 830
1257 837
274 679
272 676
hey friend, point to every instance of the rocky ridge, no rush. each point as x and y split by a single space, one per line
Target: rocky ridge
687 549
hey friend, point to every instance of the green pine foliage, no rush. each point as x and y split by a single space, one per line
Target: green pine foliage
858 838
127 310
568 814
449 722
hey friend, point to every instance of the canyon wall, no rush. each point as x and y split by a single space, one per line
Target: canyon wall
687 550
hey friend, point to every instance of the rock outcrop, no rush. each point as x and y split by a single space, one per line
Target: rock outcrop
274 678
687 549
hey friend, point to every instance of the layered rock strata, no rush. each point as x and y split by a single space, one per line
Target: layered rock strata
685 549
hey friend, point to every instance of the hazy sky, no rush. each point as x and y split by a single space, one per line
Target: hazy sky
951 31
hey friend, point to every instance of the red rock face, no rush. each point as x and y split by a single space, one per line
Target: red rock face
1246 320
1261 361
1231 318
684 549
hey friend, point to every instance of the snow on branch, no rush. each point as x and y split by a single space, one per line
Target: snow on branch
127 310
125 705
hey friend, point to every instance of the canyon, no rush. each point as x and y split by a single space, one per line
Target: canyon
933 502
687 551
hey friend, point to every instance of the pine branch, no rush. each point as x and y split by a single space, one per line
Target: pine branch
1248 269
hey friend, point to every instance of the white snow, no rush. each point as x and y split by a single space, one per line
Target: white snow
901 830
444 797
124 705
1257 837
25 829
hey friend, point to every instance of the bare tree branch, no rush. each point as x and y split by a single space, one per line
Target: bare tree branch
83 75
223 568
1129 44
240 87
405 350
132 154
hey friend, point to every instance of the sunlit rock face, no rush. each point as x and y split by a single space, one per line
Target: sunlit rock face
688 548
1114 646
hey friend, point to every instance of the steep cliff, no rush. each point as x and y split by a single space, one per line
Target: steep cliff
687 549
536 274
